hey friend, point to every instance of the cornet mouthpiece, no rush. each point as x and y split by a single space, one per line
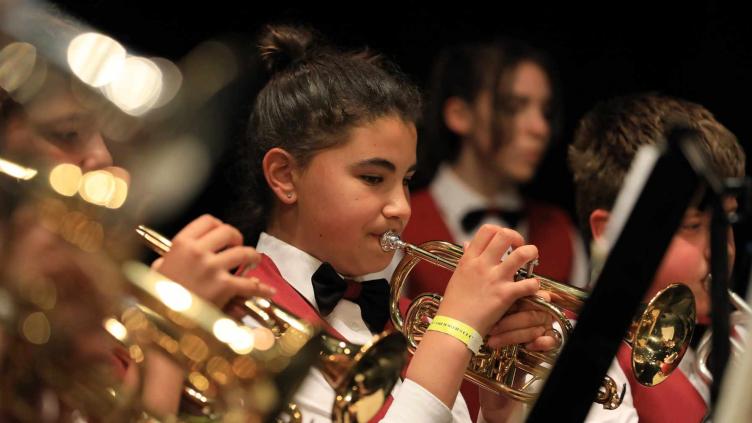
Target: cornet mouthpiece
390 241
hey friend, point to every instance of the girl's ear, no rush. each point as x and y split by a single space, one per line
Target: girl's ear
458 116
598 220
278 167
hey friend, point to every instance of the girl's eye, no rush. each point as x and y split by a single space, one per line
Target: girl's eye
62 137
69 136
691 226
371 179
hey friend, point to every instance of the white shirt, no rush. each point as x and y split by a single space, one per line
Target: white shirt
454 199
412 403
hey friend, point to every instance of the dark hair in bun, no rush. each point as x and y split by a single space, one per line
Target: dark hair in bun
283 45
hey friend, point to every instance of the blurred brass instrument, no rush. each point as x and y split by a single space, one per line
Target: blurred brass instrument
55 291
362 376
739 319
53 367
227 375
659 337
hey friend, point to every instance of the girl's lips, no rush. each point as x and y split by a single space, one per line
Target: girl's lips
385 230
533 158
120 360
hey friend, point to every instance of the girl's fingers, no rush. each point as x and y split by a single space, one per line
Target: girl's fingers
198 227
520 320
237 257
520 257
480 241
542 343
250 287
219 238
499 244
157 263
518 336
511 292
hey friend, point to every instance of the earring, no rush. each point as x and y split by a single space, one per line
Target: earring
289 195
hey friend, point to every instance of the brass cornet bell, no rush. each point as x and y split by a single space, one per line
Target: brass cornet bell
659 337
362 376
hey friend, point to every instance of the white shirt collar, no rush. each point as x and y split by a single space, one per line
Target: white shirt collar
457 198
454 199
296 267
299 275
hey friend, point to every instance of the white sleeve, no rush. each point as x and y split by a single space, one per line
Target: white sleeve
626 412
413 403
517 416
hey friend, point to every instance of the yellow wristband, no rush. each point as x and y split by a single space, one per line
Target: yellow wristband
456 329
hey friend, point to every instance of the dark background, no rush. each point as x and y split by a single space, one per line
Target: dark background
700 51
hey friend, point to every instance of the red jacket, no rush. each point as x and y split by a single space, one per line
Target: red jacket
674 401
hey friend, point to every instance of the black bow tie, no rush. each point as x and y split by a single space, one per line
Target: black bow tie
372 296
471 220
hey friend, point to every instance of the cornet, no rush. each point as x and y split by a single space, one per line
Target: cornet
659 337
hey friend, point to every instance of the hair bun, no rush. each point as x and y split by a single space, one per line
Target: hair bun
283 45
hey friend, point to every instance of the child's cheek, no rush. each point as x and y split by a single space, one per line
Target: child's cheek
684 263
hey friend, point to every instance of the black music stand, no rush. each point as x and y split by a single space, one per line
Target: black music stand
671 185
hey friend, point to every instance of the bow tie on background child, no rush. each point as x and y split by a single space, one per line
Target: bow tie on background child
473 218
